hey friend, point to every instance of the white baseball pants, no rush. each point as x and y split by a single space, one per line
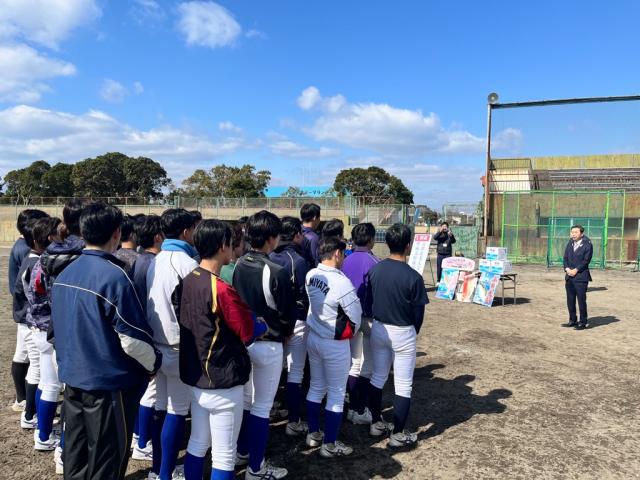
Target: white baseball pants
329 362
171 394
266 366
397 345
296 352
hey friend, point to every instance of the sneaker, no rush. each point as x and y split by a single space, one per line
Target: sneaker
144 454
19 406
295 429
363 418
314 439
178 473
338 449
57 458
267 472
380 428
403 439
241 459
28 424
48 445
134 440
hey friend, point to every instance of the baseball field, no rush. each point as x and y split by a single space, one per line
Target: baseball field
500 392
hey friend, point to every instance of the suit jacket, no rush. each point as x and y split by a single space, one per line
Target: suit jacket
579 259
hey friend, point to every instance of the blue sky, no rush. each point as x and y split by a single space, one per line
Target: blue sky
305 89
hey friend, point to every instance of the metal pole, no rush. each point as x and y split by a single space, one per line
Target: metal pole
486 178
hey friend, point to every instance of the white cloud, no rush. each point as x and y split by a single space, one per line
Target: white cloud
147 11
29 133
253 33
112 91
229 127
388 130
46 22
287 148
138 88
22 70
207 24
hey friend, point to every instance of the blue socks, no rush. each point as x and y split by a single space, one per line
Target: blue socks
313 416
332 422
243 437
193 467
258 431
293 401
222 474
46 413
156 439
375 403
400 412
171 440
144 422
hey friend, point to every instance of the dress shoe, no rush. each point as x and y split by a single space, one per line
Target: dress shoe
580 326
569 325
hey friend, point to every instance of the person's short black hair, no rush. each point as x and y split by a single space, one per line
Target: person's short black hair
43 229
27 232
579 227
175 221
210 236
309 211
71 215
98 221
197 216
262 226
147 230
398 237
243 219
333 228
26 215
127 228
444 223
328 245
237 230
362 234
291 226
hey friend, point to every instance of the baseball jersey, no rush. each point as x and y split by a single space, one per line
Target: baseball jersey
334 306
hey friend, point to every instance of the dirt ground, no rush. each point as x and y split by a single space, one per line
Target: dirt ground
500 392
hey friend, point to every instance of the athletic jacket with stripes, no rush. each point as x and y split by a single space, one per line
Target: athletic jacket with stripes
266 287
215 324
164 288
334 306
102 339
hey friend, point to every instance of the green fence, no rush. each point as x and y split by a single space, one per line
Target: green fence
536 225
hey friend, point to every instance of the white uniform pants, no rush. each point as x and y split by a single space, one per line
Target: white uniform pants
397 345
329 362
216 416
21 354
171 394
296 352
149 397
33 374
266 366
361 361
49 385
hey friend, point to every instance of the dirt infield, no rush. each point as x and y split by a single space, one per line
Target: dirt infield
498 393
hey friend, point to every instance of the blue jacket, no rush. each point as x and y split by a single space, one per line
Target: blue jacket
18 253
139 276
102 338
579 259
290 256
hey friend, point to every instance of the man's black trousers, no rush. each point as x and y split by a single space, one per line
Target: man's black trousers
577 290
97 433
439 265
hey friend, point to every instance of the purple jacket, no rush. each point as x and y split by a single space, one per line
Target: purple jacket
356 267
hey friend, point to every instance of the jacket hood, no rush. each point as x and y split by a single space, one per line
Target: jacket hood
60 254
71 244
289 246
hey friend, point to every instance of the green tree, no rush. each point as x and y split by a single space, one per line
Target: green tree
294 192
57 181
199 184
373 183
144 177
27 183
238 182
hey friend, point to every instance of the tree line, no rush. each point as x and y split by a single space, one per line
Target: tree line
117 175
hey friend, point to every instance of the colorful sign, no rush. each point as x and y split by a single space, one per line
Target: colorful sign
466 287
461 263
420 251
486 289
448 284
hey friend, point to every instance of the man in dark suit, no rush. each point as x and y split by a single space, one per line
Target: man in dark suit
445 239
577 256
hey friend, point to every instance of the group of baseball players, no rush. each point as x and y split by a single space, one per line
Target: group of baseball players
144 320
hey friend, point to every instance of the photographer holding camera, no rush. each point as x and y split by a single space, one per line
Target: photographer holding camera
445 239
